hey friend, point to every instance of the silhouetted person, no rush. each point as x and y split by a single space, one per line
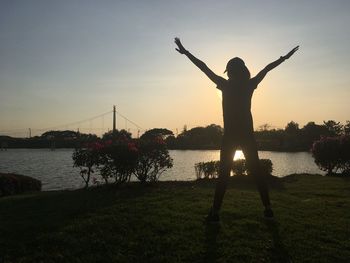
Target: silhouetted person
237 92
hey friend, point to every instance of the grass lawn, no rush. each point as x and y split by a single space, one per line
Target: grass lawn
164 223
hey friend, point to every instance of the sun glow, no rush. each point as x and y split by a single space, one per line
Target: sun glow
219 93
238 155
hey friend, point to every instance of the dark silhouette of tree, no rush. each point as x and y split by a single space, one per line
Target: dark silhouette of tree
116 135
292 128
346 128
271 140
292 138
200 137
264 127
157 132
334 128
60 134
312 132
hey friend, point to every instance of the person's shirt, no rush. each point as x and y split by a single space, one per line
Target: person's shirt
236 105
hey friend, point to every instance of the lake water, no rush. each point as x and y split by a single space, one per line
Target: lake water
55 168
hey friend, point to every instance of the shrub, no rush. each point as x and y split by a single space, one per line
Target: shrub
266 166
120 156
153 159
345 154
211 169
332 154
239 167
15 184
86 159
207 169
118 160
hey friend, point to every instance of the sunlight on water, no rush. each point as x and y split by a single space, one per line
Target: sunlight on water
238 155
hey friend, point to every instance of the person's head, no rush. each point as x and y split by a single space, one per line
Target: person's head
236 69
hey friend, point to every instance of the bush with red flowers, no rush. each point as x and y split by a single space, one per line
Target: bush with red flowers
118 160
120 157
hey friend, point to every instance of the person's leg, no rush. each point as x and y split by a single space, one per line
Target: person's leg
250 151
226 158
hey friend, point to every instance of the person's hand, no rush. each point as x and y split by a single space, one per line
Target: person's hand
180 48
291 52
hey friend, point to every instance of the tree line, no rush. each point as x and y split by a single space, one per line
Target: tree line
50 139
290 138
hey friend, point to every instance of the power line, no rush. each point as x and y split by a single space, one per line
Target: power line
75 123
138 126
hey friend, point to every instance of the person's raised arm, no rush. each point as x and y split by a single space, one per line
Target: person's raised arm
260 76
200 64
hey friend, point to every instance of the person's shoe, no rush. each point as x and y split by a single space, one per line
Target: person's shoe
268 214
212 218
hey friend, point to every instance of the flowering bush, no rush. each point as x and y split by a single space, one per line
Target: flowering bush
153 159
118 160
86 159
332 154
117 157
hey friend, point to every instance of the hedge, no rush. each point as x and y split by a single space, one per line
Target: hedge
211 169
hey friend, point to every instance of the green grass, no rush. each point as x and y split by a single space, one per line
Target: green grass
164 223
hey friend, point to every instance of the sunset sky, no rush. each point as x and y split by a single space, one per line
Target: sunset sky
64 61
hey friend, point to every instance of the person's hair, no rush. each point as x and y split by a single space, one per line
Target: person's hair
236 69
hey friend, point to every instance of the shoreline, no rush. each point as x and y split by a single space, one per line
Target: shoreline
189 149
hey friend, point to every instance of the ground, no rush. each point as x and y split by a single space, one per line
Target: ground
164 223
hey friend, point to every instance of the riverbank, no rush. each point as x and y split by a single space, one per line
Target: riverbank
56 172
196 148
164 223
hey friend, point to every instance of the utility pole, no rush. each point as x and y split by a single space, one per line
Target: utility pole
114 119
30 132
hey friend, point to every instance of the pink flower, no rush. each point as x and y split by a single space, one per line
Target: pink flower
108 143
97 146
132 147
